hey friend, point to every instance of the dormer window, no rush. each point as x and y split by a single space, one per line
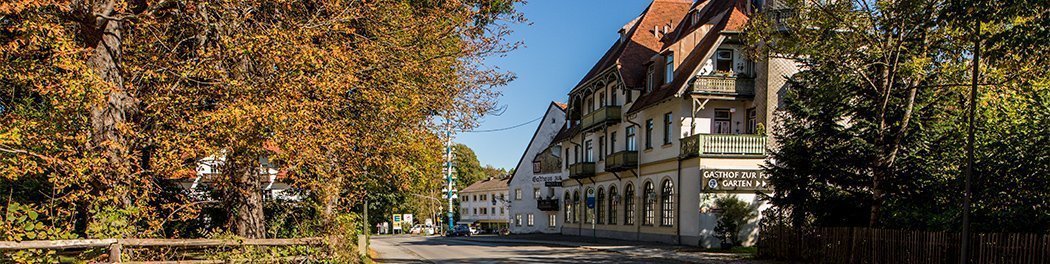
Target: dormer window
649 81
669 68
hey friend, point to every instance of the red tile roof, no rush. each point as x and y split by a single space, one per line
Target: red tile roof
724 15
490 184
631 56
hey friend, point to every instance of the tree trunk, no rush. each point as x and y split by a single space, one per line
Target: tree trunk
110 120
247 200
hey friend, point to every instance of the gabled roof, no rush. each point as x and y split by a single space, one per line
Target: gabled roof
630 53
557 105
724 15
490 184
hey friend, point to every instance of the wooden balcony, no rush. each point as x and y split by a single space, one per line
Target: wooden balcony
621 161
547 204
581 170
604 115
723 85
716 145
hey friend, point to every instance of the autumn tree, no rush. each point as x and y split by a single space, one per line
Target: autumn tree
105 101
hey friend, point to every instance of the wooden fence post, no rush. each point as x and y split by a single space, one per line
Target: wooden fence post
115 252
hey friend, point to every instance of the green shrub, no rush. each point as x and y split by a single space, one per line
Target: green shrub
734 215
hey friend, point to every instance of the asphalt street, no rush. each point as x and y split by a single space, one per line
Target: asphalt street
416 249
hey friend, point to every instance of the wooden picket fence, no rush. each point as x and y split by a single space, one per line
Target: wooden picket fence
867 245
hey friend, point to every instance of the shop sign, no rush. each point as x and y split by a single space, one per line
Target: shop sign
741 181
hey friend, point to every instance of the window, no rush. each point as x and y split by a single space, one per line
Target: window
628 205
502 197
649 80
517 194
517 219
752 121
566 158
600 206
723 121
724 60
630 139
475 210
601 96
627 95
501 211
601 148
612 97
612 205
589 155
612 142
531 220
552 221
669 69
536 193
648 201
577 152
649 133
667 203
568 207
484 211
667 128
493 210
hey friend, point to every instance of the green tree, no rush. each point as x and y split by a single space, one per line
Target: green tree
874 129
468 168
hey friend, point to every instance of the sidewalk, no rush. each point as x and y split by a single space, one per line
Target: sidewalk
631 248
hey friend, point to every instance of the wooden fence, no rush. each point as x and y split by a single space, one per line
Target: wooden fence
116 247
867 245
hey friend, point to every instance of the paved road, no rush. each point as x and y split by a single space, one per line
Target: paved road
413 249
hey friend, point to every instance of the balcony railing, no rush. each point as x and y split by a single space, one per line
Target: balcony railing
724 85
581 170
547 204
781 16
604 115
621 161
723 145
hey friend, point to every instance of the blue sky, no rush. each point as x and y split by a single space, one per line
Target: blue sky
565 38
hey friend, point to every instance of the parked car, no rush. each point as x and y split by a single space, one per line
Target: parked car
460 230
421 229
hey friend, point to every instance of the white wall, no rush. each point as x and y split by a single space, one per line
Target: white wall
525 180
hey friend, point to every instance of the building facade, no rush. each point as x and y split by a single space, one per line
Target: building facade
672 117
484 205
537 179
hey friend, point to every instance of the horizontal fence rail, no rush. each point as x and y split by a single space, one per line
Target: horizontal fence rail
116 246
867 245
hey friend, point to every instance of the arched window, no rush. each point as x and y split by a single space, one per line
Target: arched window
612 205
628 205
568 207
600 207
667 203
575 206
648 202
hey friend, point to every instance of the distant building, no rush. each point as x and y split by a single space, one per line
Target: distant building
484 204
537 179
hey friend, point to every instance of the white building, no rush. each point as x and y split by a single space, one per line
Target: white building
673 116
537 179
484 204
